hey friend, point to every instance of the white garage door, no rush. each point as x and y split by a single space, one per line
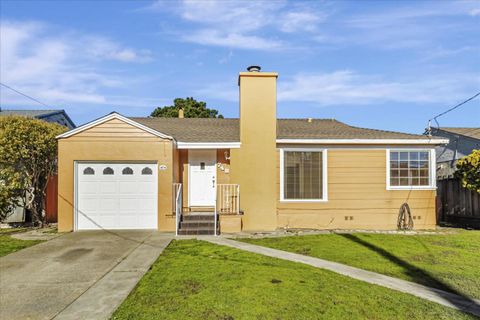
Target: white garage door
116 196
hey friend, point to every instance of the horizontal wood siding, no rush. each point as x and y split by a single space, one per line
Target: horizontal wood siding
357 188
115 130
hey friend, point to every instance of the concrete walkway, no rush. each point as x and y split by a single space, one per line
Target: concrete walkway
80 275
448 299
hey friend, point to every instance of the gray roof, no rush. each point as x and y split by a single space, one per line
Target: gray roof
467 132
28 113
47 115
227 130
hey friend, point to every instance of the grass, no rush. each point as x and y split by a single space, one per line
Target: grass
9 244
445 261
198 280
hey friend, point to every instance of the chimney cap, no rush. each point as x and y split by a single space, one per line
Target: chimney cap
254 68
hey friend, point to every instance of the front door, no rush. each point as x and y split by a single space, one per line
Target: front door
202 175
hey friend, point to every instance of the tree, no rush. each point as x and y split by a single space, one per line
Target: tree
468 170
191 109
28 153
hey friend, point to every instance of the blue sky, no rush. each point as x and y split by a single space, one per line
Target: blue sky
379 64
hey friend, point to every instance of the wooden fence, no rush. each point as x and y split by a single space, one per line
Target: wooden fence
456 204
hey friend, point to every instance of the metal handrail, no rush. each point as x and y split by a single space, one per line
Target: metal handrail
178 205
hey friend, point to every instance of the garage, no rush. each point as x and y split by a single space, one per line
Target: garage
113 195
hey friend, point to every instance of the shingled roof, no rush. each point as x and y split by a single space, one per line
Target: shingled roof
468 132
28 113
227 130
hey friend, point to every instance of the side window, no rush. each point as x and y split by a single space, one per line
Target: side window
147 171
108 171
410 168
127 170
88 171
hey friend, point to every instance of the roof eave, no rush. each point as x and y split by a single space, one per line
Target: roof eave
366 141
113 115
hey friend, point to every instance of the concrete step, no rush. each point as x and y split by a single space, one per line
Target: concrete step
198 217
195 232
197 224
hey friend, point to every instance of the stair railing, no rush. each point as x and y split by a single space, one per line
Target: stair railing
178 203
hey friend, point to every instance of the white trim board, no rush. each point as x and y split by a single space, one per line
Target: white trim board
364 141
324 174
108 117
208 145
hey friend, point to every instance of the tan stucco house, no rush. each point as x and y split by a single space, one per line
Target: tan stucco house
255 173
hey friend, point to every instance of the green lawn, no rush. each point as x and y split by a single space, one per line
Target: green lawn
198 280
9 244
445 261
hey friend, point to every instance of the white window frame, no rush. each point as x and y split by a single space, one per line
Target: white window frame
432 174
324 174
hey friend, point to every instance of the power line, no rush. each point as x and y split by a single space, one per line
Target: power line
25 95
451 109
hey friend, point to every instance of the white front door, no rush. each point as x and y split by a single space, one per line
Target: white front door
202 176
116 195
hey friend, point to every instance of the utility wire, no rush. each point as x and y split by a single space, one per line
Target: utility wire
451 109
25 95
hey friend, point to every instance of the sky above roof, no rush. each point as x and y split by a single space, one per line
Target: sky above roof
380 64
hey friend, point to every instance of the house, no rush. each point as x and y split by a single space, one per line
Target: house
256 173
456 204
462 142
56 116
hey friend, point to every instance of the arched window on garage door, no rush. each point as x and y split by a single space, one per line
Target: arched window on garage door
88 171
147 171
108 171
127 170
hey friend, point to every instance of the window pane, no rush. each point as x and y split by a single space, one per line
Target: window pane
108 171
302 175
424 181
88 171
127 170
147 171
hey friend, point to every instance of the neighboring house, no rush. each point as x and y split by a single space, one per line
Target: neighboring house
57 116
258 173
462 142
456 204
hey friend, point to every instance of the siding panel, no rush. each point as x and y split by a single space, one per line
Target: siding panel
357 190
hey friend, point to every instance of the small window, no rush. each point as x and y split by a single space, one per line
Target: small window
108 171
410 169
88 171
127 170
202 165
147 171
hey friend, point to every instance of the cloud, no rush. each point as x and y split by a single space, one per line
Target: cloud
232 40
475 12
59 68
254 25
347 87
300 21
103 48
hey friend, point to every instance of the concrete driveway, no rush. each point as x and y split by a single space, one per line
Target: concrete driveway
66 277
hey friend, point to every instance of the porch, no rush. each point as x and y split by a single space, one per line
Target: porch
224 216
